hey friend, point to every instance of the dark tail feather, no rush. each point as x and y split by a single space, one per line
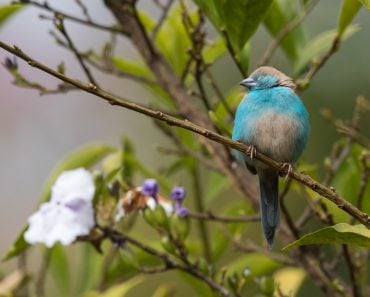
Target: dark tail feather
269 204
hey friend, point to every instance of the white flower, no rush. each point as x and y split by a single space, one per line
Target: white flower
68 214
168 208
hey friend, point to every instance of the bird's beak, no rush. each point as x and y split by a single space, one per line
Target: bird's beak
248 82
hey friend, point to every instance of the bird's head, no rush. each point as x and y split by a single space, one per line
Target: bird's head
267 77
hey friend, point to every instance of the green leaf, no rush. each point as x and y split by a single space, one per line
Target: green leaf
280 14
242 19
341 233
319 45
173 40
346 183
348 11
233 99
244 57
131 162
127 155
216 185
289 280
90 266
199 287
146 20
365 3
221 125
60 269
120 290
83 157
213 50
139 69
17 247
6 11
220 238
239 19
257 263
211 10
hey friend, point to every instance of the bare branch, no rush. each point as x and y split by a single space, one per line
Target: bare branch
59 24
46 6
84 9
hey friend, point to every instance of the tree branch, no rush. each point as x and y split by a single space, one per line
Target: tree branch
116 236
328 193
46 6
59 24
316 66
209 216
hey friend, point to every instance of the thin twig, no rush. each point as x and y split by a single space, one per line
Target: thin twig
232 52
317 65
84 9
250 246
199 206
284 32
187 152
115 236
197 37
352 269
59 23
119 73
46 6
304 179
162 18
209 216
219 94
40 280
364 181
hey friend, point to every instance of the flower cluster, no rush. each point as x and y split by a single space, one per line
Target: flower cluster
69 213
147 195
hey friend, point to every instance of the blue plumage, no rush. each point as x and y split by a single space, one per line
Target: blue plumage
272 118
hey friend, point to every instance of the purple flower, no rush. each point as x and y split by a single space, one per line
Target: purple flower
182 211
178 194
150 187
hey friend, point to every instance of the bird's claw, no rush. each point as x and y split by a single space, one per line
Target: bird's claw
251 152
288 167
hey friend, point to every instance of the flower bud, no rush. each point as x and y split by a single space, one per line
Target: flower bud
150 187
178 194
180 226
167 245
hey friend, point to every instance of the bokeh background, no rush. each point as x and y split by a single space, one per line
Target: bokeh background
36 132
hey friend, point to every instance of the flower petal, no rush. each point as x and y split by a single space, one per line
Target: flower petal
77 183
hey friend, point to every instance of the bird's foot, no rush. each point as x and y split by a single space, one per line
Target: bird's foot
288 168
251 152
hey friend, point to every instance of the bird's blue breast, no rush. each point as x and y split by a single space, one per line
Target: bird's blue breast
275 121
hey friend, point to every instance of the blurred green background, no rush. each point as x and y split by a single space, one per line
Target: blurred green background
36 132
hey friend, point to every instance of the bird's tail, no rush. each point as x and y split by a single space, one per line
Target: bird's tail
270 209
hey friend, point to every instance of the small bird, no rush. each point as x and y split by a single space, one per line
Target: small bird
273 120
